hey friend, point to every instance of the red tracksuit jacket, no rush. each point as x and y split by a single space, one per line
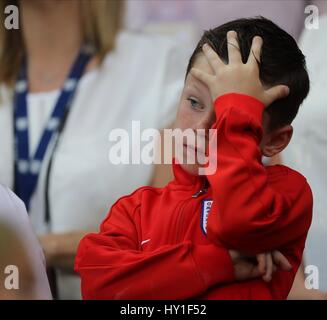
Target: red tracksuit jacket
156 244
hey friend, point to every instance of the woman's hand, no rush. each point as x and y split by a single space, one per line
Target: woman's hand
236 76
263 265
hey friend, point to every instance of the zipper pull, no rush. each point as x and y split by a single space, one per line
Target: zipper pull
200 192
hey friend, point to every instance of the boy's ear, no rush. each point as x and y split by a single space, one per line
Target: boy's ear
276 141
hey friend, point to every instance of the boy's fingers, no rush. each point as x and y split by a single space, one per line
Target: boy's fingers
277 92
255 272
281 261
202 76
255 51
213 58
269 267
234 55
261 259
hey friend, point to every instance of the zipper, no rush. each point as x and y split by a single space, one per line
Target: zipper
202 191
181 218
180 224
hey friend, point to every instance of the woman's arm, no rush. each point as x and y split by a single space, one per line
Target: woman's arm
300 292
60 249
15 255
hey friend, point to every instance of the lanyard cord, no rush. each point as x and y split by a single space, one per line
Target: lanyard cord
51 272
49 168
27 167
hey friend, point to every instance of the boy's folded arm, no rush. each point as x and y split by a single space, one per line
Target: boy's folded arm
247 213
258 289
255 289
113 266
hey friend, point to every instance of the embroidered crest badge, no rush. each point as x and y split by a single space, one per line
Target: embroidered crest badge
205 209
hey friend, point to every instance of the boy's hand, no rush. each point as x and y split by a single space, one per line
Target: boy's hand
267 263
237 77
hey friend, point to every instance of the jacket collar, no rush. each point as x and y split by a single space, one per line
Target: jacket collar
184 178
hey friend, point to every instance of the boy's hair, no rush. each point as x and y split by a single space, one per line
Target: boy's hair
282 62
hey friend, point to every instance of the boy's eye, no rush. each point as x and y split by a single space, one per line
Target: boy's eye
195 104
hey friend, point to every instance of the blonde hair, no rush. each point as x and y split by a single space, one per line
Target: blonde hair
102 20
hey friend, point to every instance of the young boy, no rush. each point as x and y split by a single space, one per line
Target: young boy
155 244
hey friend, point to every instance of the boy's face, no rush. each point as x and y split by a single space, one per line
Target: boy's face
196 111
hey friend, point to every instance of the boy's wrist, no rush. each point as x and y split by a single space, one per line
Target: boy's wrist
243 102
214 264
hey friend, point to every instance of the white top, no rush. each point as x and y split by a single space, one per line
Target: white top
13 214
307 151
141 80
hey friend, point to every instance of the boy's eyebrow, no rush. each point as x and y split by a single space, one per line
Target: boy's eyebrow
194 86
197 88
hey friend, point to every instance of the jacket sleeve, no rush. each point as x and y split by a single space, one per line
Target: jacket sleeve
112 264
248 214
257 289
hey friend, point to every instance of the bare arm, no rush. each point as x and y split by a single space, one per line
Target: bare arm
300 292
60 249
15 255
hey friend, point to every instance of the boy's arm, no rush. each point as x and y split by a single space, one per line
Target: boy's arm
247 213
112 264
256 289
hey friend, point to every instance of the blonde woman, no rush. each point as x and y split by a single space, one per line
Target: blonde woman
67 185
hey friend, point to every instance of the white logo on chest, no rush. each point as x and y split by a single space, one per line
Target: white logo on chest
145 241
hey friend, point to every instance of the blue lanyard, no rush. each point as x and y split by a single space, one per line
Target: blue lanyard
28 167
